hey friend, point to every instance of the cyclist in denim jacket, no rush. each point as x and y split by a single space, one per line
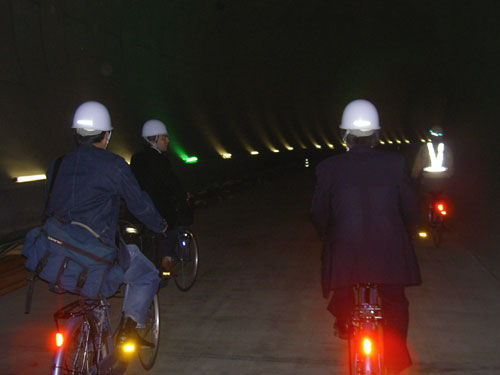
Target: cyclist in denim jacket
88 187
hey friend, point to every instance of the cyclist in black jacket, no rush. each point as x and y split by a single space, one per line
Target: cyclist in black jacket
154 173
364 207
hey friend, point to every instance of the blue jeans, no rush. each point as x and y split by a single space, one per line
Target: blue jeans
142 282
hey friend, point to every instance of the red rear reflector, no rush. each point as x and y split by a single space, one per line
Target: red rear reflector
367 346
59 339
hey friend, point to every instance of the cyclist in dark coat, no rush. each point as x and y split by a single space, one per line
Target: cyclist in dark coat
364 208
154 173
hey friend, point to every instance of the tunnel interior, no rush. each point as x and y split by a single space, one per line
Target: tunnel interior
239 77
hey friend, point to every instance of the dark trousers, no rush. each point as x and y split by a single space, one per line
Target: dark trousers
170 242
396 317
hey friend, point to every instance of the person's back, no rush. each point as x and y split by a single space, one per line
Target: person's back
433 165
365 224
90 183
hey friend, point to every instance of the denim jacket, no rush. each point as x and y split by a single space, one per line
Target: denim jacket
88 187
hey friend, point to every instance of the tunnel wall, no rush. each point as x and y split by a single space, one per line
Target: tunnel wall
22 204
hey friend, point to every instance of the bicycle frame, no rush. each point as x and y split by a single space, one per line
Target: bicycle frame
437 214
100 334
366 353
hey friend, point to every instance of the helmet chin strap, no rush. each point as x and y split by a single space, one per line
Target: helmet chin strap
154 145
344 138
107 140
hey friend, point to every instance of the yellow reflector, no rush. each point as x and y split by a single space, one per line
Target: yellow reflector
59 339
422 234
165 273
129 348
367 346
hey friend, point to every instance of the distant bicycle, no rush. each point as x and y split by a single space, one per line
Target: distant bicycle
365 327
186 258
436 216
86 346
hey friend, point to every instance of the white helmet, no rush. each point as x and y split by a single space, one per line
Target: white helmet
91 118
153 127
360 116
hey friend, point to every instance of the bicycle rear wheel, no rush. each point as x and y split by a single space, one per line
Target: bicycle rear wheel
77 356
437 234
186 266
151 333
365 359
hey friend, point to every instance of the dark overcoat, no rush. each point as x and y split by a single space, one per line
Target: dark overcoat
364 209
156 177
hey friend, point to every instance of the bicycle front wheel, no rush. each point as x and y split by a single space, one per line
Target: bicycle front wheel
186 266
151 333
78 354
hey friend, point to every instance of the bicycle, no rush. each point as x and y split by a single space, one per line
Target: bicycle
88 344
186 257
436 215
365 338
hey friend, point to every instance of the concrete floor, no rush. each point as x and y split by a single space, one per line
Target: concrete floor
257 306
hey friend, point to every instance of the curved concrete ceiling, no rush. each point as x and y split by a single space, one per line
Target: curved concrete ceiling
231 75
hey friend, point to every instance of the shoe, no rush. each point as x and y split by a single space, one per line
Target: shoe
163 280
128 332
341 329
168 265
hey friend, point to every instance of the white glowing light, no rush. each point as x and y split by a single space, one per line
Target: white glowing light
330 145
317 146
275 150
36 177
436 160
227 156
289 148
390 142
254 153
407 141
85 122
381 142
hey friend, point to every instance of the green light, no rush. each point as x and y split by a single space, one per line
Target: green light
191 160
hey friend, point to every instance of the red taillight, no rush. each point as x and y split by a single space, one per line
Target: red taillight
59 339
441 208
367 346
